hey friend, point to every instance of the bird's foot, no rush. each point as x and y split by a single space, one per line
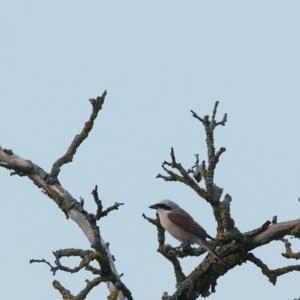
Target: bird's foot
183 246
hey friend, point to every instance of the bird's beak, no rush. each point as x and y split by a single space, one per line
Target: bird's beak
154 206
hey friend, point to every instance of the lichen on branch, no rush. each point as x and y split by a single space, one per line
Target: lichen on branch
74 210
233 245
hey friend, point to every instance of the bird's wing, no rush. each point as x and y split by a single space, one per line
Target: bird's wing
185 221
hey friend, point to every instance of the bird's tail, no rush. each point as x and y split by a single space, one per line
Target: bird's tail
203 243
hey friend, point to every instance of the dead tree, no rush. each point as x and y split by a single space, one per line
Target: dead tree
233 245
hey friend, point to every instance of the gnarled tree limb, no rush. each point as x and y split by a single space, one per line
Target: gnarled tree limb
74 210
274 232
272 274
232 245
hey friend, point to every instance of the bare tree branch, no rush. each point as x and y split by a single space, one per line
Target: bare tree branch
168 252
115 206
272 274
98 202
184 176
211 193
72 208
232 245
89 286
213 157
274 232
100 212
288 250
258 230
78 139
52 268
66 294
87 256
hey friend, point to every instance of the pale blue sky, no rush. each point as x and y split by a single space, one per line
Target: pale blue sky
158 60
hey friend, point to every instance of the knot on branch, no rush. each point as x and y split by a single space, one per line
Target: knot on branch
21 167
296 231
8 151
165 296
226 223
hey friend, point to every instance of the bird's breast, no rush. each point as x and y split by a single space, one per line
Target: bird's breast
176 231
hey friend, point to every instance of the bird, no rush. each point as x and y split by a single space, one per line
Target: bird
182 226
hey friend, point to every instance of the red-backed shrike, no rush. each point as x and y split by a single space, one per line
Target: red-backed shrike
182 226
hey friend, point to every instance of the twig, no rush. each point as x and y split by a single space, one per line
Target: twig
288 250
168 252
213 118
211 193
184 176
100 212
66 294
87 256
89 286
213 157
179 252
98 202
78 139
52 268
152 221
258 230
226 220
72 208
271 274
115 206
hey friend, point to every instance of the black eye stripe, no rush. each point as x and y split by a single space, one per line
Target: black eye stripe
164 206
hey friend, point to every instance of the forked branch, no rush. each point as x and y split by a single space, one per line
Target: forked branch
100 212
205 170
183 175
272 274
86 256
233 245
74 210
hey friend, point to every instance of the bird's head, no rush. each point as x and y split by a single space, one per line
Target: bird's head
164 205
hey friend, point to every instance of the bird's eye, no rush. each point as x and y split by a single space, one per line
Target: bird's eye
164 206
